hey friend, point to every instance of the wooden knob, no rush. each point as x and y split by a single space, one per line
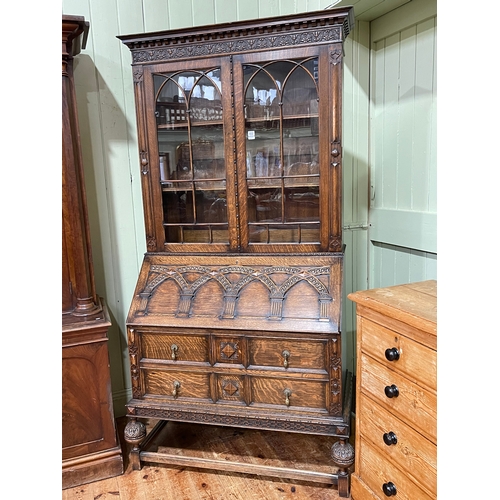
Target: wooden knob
389 489
392 354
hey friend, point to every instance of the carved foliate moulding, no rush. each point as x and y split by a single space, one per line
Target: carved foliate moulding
332 428
138 74
336 56
313 28
197 48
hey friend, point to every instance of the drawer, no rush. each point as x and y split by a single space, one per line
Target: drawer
175 348
288 354
413 453
187 384
289 393
374 470
414 405
416 361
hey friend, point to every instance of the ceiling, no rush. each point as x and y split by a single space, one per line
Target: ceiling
368 10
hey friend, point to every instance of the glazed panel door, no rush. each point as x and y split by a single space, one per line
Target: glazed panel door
284 117
189 106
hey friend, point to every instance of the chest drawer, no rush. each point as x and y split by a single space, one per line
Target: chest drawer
289 393
413 404
291 354
377 472
414 360
174 347
394 440
176 385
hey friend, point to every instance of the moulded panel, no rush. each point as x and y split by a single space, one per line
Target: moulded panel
230 389
80 386
288 354
289 394
165 298
176 385
174 348
254 300
208 300
88 424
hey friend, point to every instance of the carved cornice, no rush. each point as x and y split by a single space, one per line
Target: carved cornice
232 38
169 50
72 28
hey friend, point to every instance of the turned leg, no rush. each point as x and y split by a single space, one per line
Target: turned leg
343 456
134 433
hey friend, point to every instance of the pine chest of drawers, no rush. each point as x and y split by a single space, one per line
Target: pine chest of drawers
396 391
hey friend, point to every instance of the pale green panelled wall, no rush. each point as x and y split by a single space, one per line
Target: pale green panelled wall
403 164
355 144
108 133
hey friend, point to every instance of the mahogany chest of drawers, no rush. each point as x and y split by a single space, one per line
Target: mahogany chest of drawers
396 391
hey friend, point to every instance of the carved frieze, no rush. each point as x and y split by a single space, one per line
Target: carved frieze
232 42
330 428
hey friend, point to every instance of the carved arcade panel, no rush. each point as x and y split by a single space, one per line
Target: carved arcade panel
246 288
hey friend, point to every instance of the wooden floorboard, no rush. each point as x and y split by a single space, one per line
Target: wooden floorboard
166 482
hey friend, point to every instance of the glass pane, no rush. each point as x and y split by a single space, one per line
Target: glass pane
178 206
191 156
289 233
205 101
211 205
302 204
282 151
300 93
265 205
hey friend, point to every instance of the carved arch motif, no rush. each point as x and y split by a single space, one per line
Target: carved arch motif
232 288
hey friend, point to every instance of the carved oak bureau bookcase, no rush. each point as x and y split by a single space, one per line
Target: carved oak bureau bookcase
235 320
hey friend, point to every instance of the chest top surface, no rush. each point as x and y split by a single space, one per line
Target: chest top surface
414 304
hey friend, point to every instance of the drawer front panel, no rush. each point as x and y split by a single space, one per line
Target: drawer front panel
174 348
375 471
417 362
288 353
230 350
359 490
414 405
177 385
231 389
298 393
411 451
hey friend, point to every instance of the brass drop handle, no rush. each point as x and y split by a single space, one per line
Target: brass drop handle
287 393
174 349
286 355
177 386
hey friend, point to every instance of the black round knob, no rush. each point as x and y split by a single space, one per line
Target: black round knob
390 438
391 391
389 489
392 354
